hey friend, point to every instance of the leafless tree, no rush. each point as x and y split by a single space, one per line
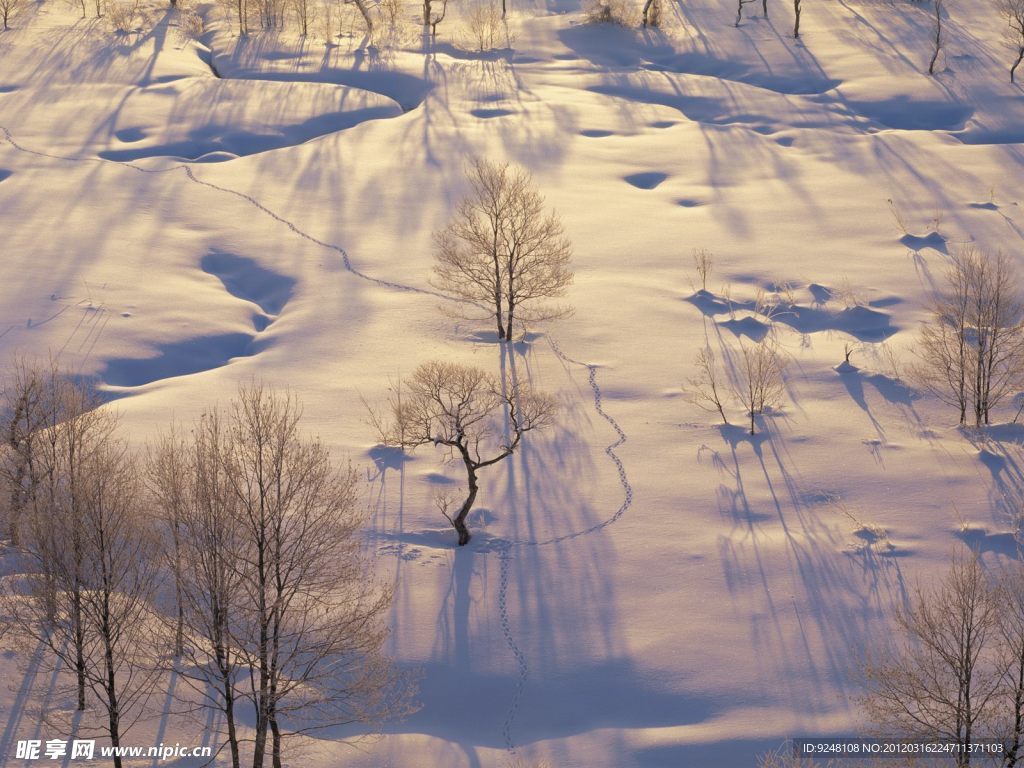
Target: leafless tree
704 389
120 571
431 19
972 354
703 261
501 252
309 623
937 682
364 11
304 10
10 8
797 9
453 405
56 429
204 542
1013 13
1009 597
739 10
26 402
760 383
652 13
93 562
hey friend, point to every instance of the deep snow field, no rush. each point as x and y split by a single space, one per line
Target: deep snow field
645 588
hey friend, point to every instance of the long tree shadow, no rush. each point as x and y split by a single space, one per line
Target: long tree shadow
845 595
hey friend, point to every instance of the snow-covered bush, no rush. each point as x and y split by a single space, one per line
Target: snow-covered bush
192 25
611 12
123 17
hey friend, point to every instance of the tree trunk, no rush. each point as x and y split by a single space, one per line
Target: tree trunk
796 21
510 320
764 8
76 618
938 36
1013 69
752 421
367 19
275 731
229 704
113 707
647 8
459 521
1018 712
262 696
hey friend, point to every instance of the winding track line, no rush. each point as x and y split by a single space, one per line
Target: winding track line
505 547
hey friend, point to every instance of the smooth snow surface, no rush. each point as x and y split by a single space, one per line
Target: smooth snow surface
645 588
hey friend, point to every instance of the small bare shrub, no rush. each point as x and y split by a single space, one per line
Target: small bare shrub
123 17
703 261
192 25
610 12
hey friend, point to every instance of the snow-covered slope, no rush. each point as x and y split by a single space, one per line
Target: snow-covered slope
646 589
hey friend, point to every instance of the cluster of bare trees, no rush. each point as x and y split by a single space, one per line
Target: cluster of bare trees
1012 13
971 355
278 14
269 606
956 670
755 380
797 9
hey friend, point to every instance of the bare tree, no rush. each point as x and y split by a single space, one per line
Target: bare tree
937 682
704 389
55 430
797 9
166 476
304 11
652 13
1013 13
455 406
86 598
10 8
501 252
309 622
432 19
760 383
1009 597
703 261
364 11
739 10
26 402
121 566
204 542
972 354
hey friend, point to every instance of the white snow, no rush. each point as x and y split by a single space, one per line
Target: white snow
645 589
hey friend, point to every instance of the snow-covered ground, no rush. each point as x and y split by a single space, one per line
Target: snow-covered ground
645 589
